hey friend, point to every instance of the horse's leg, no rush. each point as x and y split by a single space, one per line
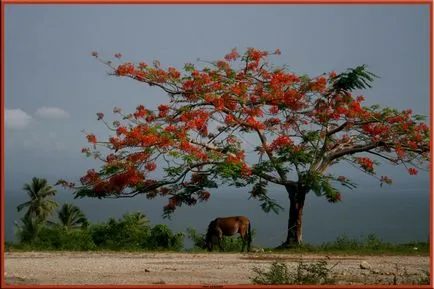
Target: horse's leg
219 238
249 236
243 238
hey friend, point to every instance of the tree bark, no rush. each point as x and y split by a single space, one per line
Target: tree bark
296 195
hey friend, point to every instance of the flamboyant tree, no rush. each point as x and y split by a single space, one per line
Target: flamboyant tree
243 122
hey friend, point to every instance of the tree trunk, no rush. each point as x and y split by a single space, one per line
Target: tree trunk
296 205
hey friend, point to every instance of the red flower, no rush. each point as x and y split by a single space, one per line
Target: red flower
204 195
412 171
342 179
360 98
121 130
91 138
150 166
274 109
124 69
366 163
281 141
232 56
386 180
173 73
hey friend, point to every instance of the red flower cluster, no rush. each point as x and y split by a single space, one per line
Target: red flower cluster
366 163
91 138
150 166
412 171
232 56
385 179
280 142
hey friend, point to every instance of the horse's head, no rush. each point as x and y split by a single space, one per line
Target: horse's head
209 246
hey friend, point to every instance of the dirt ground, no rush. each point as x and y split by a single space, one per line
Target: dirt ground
96 268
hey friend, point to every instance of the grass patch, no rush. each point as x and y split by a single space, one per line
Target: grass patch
368 245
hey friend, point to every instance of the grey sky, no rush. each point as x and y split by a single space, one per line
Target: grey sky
54 87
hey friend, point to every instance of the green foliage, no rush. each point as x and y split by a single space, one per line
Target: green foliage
277 275
345 243
29 228
424 280
305 274
132 232
287 154
71 217
259 192
356 78
128 233
229 171
40 205
366 245
231 244
268 204
198 239
58 238
162 238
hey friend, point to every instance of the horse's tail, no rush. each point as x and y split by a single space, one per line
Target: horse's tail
249 233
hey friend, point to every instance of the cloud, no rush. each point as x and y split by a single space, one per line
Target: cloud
16 119
51 113
44 141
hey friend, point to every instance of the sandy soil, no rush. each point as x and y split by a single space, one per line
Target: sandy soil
79 268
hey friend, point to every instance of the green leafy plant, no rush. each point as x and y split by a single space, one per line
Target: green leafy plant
304 274
162 238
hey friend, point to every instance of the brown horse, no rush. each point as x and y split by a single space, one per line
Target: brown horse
228 226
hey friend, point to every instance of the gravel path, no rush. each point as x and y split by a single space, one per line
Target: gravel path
79 268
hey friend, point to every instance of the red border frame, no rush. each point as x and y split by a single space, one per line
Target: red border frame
218 2
2 121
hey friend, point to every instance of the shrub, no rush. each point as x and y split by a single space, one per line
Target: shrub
198 239
162 238
57 238
279 274
128 233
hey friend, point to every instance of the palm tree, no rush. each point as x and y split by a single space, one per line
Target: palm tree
137 218
71 217
29 229
40 205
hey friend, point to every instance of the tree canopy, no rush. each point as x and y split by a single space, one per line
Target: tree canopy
242 121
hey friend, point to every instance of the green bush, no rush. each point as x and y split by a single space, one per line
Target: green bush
198 239
162 238
424 280
128 233
369 243
56 238
279 274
